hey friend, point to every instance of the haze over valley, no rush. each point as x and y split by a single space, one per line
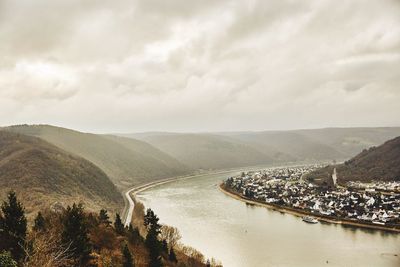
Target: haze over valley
127 160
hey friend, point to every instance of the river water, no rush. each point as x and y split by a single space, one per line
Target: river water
242 235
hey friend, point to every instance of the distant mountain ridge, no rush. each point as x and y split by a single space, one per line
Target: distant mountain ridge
266 147
42 174
133 159
207 151
380 163
126 161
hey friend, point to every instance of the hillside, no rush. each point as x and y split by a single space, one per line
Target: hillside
207 151
317 144
351 141
126 161
43 174
235 149
290 146
380 163
76 237
131 159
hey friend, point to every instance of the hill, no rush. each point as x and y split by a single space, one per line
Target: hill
77 237
43 174
126 161
380 163
206 151
351 141
317 144
235 149
290 146
132 159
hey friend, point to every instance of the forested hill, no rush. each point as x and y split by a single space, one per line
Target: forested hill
146 157
235 149
380 163
208 151
126 161
43 174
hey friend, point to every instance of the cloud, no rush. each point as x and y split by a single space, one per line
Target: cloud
199 65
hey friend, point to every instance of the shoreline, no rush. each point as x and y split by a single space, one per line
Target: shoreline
300 213
129 193
128 201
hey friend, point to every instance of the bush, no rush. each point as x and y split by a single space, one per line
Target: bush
6 260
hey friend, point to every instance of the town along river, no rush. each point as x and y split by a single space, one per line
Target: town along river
242 235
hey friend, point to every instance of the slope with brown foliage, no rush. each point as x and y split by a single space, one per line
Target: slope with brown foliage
380 163
42 174
46 245
126 161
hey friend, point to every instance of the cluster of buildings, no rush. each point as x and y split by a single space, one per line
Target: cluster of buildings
292 173
285 187
375 186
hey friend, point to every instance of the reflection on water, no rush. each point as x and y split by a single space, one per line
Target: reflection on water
242 235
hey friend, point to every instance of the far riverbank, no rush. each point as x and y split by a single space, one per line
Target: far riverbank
301 213
129 193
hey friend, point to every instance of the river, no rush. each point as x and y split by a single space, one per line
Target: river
242 235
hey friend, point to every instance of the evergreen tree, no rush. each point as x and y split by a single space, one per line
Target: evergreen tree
118 225
39 223
172 255
134 234
127 257
152 242
6 260
75 233
13 227
104 218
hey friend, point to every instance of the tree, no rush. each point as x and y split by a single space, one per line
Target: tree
75 233
13 227
6 260
152 242
134 234
193 254
44 249
172 255
118 225
127 257
104 218
39 223
171 235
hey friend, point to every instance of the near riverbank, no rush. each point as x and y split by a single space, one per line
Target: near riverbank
301 213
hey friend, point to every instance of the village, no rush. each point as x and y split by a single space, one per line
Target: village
371 203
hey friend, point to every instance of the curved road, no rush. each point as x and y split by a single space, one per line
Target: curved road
131 206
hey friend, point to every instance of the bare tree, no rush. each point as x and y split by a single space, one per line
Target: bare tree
215 263
171 235
193 254
45 250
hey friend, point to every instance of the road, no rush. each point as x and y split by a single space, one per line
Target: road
130 209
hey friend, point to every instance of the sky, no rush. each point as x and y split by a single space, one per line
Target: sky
209 65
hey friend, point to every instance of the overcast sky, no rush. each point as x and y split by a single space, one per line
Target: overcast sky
179 65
